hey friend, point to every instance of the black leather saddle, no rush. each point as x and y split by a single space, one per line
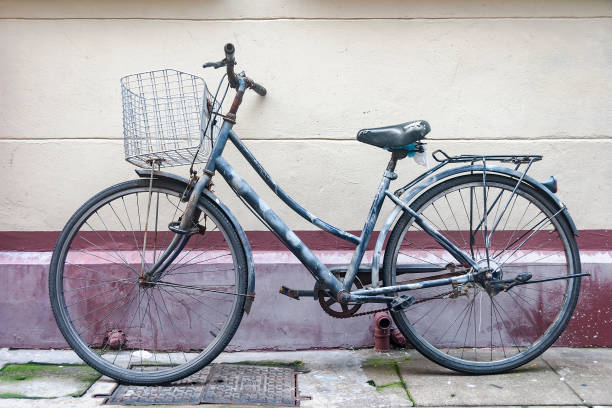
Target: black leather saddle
396 137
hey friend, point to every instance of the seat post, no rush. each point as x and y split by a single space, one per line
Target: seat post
395 156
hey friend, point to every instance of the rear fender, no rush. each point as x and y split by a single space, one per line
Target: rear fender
434 179
223 208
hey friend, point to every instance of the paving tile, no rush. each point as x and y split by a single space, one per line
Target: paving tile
39 356
45 380
381 375
382 370
533 384
385 380
104 386
343 386
587 371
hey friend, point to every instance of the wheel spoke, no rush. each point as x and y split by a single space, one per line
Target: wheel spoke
138 328
510 231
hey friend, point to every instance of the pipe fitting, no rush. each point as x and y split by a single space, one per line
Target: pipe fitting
382 331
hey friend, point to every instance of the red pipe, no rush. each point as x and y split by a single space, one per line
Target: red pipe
382 331
398 339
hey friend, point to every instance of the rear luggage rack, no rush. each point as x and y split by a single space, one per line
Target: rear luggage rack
516 159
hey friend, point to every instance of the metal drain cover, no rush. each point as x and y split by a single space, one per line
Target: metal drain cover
250 385
217 384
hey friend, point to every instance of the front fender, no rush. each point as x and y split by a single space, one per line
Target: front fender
435 178
223 208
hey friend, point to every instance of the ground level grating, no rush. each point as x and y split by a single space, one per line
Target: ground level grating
217 384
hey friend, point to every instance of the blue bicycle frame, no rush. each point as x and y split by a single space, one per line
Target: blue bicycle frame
340 290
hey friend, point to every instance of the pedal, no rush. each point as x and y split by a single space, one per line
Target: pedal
295 293
292 293
401 302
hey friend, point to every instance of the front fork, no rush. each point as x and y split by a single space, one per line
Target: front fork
182 232
184 229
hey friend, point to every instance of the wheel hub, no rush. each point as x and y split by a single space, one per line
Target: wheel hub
489 270
144 282
489 276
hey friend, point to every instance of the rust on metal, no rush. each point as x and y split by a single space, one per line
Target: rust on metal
382 331
231 115
217 384
326 302
343 297
116 339
442 276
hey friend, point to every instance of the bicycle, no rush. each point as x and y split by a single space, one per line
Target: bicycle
481 271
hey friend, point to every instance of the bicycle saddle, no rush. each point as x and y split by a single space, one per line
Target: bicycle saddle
396 136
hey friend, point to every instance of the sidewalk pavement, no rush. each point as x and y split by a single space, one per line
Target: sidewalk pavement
363 378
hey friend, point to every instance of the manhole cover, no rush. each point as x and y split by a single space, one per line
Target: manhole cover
217 384
246 385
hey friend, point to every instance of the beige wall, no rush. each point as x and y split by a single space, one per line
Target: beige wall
490 77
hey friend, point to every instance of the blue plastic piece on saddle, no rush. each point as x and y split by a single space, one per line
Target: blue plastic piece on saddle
411 149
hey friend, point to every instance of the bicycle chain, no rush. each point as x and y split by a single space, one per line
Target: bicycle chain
359 314
360 286
385 309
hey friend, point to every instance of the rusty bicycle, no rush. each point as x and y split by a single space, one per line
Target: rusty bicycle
477 262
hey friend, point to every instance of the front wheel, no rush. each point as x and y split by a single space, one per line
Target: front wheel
470 327
139 332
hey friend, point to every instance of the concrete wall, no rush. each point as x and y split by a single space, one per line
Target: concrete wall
490 77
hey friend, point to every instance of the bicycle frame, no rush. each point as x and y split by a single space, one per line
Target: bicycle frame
339 289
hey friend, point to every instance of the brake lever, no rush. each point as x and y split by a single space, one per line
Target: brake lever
215 65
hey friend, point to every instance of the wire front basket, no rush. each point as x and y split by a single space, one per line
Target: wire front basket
166 117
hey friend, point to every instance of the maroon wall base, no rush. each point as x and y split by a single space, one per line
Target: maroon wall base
276 322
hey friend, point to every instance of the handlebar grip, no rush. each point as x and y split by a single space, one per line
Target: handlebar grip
229 52
259 89
230 62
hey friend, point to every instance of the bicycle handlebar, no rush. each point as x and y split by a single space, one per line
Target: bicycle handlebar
231 75
256 87
230 62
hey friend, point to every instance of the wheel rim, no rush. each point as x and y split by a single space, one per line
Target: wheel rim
466 324
130 330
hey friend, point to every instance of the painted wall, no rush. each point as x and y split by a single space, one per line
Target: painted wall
490 77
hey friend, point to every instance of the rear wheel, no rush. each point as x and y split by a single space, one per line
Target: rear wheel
470 327
156 332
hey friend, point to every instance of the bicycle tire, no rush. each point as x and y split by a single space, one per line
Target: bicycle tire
183 322
433 346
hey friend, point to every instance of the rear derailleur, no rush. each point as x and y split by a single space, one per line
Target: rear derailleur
492 284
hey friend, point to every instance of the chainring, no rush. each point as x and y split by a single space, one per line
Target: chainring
326 301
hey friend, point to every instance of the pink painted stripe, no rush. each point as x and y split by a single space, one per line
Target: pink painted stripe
286 257
33 241
259 240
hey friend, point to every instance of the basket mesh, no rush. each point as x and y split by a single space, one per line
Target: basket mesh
165 117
